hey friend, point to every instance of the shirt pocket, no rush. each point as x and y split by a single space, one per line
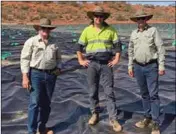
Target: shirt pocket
91 38
107 36
149 40
135 40
51 53
38 51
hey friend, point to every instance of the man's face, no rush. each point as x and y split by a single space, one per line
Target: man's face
44 32
141 21
98 19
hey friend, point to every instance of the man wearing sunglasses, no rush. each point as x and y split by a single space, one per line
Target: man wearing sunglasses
146 62
100 40
39 59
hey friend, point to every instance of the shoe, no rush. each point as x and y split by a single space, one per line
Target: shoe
144 123
155 129
47 131
116 126
94 119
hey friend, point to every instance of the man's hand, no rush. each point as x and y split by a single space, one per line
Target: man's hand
84 63
113 62
161 72
57 71
25 82
131 72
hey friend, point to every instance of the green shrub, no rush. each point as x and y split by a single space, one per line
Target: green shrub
21 16
25 7
42 15
114 6
74 4
128 8
35 18
121 18
52 16
149 6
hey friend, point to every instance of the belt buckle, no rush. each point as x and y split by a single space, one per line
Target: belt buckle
99 61
144 64
139 63
43 70
49 71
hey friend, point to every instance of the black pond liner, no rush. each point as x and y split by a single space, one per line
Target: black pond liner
70 105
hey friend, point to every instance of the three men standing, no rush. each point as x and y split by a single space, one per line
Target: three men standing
146 62
40 56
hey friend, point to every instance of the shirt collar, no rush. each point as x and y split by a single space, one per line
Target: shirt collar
39 38
145 28
102 28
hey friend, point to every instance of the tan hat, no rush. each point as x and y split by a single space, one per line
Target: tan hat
98 11
44 22
141 14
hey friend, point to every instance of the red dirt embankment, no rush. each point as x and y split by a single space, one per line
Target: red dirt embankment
65 13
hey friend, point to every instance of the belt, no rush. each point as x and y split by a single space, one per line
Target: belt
44 70
101 61
145 64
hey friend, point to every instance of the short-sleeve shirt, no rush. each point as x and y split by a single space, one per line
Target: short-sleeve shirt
101 42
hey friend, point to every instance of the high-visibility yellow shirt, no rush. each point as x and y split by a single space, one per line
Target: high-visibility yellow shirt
101 41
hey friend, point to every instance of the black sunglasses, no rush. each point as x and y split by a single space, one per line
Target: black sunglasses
98 16
141 18
45 28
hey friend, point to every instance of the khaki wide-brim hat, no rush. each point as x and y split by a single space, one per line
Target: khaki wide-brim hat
141 14
98 11
44 22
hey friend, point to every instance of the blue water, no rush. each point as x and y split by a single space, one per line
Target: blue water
167 30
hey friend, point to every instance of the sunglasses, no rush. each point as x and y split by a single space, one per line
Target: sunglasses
45 28
98 16
141 18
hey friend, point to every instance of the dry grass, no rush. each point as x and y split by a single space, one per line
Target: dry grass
73 11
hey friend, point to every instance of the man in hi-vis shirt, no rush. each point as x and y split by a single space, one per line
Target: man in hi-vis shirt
100 41
40 57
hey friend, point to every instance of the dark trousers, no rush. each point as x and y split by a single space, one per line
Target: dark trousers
40 98
96 71
147 79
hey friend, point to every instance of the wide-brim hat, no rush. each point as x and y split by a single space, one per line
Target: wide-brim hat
98 11
44 22
141 14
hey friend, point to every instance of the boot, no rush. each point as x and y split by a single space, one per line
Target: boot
143 123
155 129
116 126
94 119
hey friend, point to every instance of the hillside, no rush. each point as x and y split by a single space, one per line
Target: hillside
75 13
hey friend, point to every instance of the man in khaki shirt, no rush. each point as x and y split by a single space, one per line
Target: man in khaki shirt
146 62
39 59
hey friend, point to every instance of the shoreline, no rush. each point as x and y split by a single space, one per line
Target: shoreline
86 23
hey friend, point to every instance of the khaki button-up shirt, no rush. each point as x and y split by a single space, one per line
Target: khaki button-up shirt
145 46
37 54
